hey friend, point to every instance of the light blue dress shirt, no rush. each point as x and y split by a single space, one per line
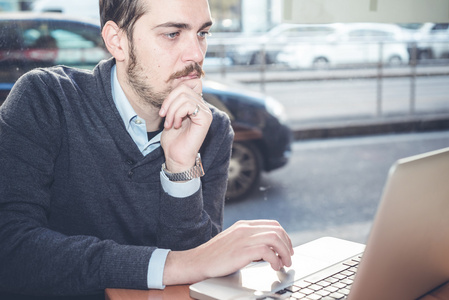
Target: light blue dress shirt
136 127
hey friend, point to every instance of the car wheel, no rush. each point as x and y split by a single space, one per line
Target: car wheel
425 54
244 170
320 62
394 61
258 59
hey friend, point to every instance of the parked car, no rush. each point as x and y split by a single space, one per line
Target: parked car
29 40
350 44
255 49
432 41
262 138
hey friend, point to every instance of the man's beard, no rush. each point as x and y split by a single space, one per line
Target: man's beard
139 81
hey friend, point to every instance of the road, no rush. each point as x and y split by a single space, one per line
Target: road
331 186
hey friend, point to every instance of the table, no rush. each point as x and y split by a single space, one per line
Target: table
181 292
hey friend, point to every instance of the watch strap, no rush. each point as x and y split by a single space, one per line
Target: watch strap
194 172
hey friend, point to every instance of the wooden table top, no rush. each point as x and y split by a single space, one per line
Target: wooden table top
181 292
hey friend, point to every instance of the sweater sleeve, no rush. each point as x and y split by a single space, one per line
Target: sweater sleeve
34 258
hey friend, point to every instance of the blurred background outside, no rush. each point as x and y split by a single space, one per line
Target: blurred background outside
319 83
250 45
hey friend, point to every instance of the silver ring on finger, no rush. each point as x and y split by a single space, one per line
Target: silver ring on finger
196 111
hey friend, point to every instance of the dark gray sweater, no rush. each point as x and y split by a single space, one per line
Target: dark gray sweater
81 209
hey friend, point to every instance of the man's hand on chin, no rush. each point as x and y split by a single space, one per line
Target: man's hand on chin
187 121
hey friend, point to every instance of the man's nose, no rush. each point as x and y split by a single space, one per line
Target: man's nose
195 49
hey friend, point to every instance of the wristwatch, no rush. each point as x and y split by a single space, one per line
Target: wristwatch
194 172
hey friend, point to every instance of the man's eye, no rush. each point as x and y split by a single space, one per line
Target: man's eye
172 35
204 34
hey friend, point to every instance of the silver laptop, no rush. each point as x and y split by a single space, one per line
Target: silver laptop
407 253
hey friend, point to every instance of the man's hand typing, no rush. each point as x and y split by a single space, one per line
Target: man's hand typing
229 251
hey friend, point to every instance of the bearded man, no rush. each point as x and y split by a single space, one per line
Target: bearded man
116 178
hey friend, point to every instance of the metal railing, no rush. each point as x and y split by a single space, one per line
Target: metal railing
258 65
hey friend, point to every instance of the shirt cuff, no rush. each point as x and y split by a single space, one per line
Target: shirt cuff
180 189
156 267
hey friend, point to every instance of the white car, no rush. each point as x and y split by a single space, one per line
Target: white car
350 44
247 50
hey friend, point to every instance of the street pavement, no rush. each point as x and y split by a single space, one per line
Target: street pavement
339 164
331 187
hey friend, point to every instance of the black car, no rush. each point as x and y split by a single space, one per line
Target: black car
262 140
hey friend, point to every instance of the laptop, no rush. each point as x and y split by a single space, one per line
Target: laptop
406 255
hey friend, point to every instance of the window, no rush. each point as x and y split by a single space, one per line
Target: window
300 81
30 43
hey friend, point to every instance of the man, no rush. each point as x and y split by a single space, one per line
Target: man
116 178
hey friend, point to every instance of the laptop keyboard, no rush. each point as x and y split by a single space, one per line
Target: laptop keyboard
329 284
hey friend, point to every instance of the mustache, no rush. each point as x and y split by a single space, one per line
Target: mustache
194 68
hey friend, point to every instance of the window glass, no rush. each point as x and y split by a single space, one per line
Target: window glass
227 15
441 26
284 84
44 42
30 36
330 79
11 38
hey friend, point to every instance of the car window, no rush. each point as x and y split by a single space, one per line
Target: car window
368 34
311 31
35 43
8 6
30 36
68 39
11 38
440 26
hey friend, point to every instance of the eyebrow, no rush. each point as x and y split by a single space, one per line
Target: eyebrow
181 25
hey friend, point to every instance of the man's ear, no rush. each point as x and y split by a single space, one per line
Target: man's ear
115 40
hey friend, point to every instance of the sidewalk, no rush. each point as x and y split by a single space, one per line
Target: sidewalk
354 126
372 126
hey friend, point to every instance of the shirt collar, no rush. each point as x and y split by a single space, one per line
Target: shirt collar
121 102
134 125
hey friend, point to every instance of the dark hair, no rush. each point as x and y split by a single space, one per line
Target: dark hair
124 13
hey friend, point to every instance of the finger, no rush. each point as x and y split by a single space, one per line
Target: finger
196 111
269 225
201 110
182 113
276 244
189 109
271 236
267 254
275 224
196 85
180 103
171 98
175 106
